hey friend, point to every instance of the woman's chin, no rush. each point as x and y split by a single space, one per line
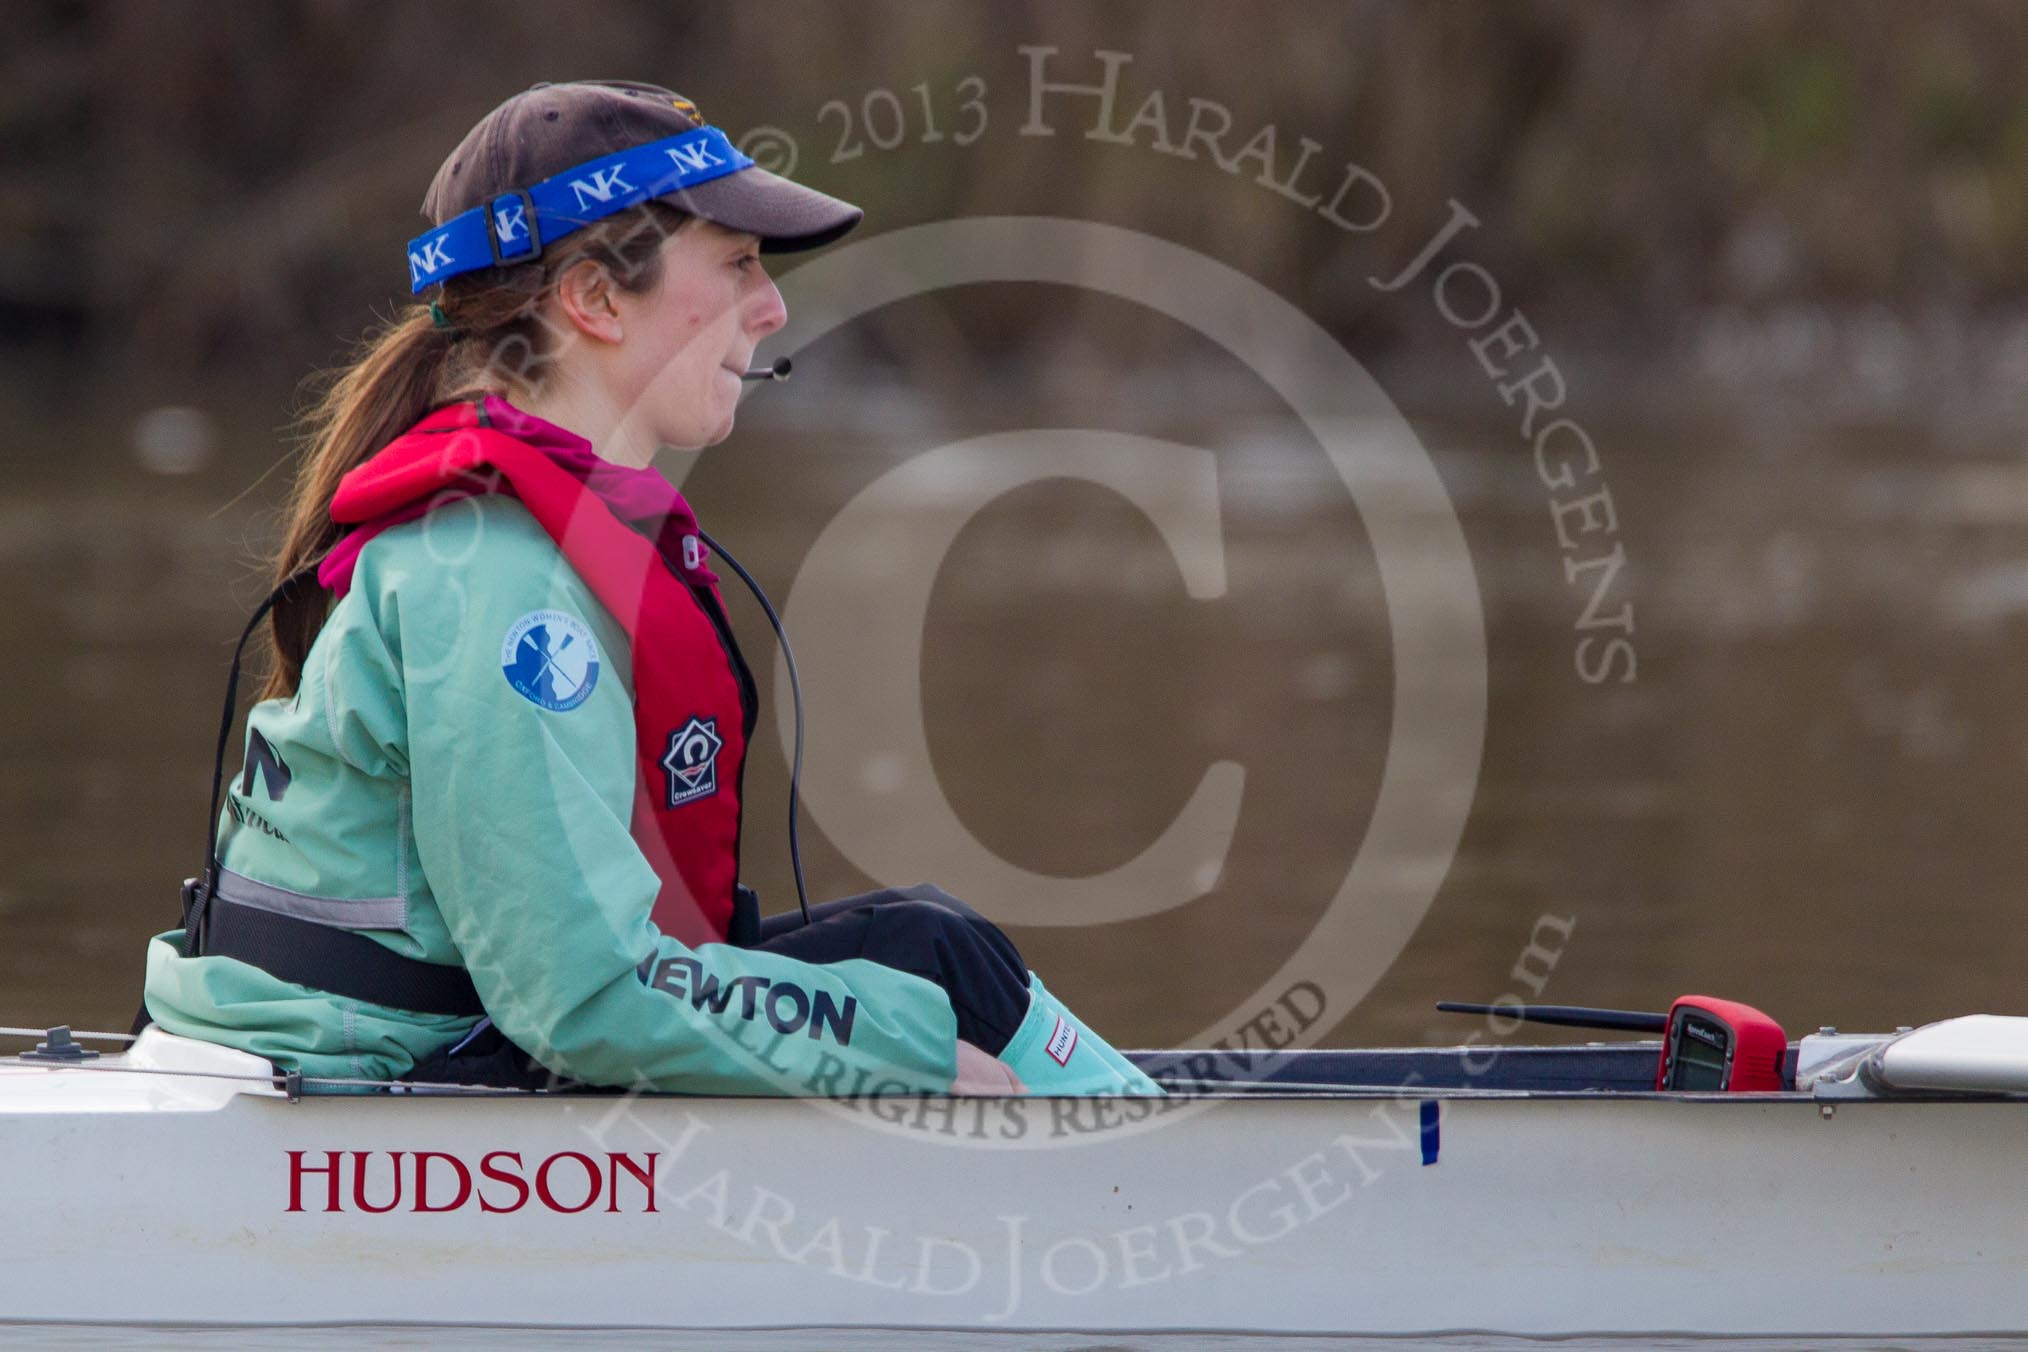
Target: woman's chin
697 440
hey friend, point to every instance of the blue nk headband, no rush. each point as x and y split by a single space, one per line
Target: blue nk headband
515 226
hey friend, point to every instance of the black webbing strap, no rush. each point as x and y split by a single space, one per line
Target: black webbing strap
322 957
307 573
329 959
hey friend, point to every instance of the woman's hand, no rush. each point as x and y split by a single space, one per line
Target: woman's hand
980 1073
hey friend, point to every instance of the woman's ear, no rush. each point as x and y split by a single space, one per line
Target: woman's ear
586 295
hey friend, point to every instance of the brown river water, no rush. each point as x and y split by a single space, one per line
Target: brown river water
1806 797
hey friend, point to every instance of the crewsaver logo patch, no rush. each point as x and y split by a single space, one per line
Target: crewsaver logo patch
692 761
551 659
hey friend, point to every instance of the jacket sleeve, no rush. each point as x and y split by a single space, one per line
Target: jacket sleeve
522 806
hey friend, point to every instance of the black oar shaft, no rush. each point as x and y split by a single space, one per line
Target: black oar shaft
1567 1016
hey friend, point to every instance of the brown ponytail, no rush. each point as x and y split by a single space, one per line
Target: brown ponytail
386 390
492 338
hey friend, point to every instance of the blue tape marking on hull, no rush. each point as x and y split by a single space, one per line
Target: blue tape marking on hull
1431 1137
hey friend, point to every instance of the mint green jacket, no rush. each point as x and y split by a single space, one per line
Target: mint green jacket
432 806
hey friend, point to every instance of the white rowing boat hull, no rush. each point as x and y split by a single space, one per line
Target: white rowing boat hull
166 1200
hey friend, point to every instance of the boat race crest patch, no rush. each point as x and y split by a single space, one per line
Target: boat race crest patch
691 761
551 659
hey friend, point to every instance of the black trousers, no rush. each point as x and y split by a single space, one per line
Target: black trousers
926 932
922 930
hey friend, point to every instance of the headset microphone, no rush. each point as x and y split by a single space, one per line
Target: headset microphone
779 371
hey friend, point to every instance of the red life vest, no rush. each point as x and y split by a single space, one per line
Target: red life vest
691 718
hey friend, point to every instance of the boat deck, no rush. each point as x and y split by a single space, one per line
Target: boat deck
1624 1067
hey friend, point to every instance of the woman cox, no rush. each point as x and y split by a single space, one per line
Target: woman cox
488 824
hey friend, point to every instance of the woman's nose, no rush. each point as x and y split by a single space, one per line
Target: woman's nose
766 311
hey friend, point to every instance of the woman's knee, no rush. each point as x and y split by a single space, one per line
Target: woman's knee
936 896
916 919
917 922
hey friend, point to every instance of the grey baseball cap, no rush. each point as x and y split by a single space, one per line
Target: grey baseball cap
549 128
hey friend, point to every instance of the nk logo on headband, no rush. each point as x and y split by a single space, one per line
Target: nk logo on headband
693 158
424 262
571 200
600 186
511 222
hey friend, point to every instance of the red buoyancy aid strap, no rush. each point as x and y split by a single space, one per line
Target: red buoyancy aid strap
620 571
432 458
694 854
